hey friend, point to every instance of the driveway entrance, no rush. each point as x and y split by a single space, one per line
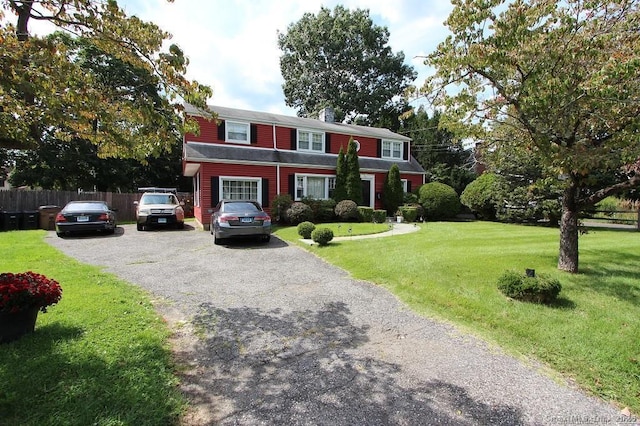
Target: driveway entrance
285 338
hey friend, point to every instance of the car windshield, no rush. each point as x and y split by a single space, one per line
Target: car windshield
83 207
159 199
240 207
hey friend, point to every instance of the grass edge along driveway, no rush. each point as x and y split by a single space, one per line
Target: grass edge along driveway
100 356
449 270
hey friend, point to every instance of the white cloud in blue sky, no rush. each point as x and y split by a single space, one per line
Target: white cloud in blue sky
232 44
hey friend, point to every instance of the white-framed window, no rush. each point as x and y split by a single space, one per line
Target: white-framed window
237 132
240 188
319 187
196 190
310 141
405 185
392 149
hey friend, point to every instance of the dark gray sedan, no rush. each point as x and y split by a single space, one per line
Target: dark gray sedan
239 218
85 216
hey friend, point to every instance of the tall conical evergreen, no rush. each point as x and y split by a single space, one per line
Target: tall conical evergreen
392 191
340 192
353 182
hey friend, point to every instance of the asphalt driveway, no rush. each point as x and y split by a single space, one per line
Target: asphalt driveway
285 338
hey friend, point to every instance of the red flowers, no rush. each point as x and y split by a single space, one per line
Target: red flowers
19 292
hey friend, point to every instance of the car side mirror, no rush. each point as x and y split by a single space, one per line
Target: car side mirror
135 203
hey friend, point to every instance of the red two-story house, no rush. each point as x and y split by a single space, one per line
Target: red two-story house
258 155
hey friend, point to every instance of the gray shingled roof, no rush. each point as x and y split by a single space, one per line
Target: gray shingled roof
268 118
199 152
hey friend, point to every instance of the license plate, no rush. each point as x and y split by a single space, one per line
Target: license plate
246 219
83 219
162 220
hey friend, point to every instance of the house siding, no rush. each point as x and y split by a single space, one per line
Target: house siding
264 165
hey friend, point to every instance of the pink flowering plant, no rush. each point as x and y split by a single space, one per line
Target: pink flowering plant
20 292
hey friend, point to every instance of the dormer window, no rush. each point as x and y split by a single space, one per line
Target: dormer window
237 132
310 141
392 150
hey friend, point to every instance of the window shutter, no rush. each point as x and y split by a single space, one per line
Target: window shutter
379 152
294 139
254 133
215 190
327 143
221 131
292 186
405 154
265 192
408 185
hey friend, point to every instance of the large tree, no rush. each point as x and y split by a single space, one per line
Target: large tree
444 159
567 74
41 85
340 59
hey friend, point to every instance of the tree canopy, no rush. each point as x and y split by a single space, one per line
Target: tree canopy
565 74
444 159
44 86
340 59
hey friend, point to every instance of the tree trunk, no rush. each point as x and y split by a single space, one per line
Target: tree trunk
568 259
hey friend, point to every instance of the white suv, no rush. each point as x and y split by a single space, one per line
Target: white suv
157 208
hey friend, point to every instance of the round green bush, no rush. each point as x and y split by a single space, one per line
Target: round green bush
347 211
305 229
322 236
298 213
440 201
539 289
481 196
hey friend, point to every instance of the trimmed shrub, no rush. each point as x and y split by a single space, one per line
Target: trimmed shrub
482 196
305 229
347 211
366 213
279 206
322 209
409 213
298 213
322 236
439 201
539 289
379 216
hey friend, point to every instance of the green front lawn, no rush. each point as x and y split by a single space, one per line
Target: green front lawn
99 357
449 271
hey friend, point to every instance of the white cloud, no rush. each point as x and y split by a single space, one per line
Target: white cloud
232 44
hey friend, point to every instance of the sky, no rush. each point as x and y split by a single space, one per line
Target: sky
232 44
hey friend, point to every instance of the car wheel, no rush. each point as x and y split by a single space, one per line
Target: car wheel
217 241
180 225
140 227
60 234
266 238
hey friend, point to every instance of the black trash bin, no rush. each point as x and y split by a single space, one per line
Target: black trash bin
11 221
48 217
29 219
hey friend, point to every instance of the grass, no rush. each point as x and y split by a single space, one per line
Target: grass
352 229
99 357
450 270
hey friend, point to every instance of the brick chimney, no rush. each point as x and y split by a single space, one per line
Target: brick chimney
327 115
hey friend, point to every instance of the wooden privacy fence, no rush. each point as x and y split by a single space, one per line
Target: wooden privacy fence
19 200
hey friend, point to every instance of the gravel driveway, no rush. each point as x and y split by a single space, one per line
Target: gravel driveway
285 338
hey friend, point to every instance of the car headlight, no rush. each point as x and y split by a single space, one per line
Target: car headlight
143 212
